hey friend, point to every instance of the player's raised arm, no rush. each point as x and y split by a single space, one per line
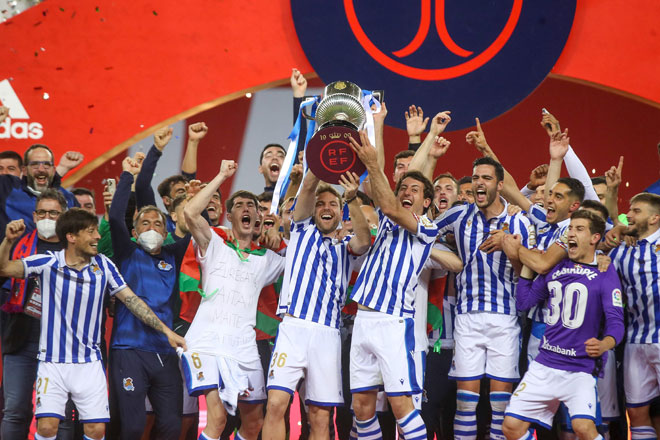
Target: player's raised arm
142 311
433 147
380 189
198 226
11 268
305 203
361 241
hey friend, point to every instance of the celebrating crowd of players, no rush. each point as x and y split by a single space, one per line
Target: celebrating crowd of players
418 303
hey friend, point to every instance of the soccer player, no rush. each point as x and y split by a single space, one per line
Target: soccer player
486 329
223 360
73 283
383 343
318 266
638 268
579 298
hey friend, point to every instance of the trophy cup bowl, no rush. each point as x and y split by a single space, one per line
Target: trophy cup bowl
339 116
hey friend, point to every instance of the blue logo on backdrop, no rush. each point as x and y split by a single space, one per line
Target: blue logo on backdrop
473 57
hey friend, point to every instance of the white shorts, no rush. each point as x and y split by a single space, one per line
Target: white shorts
420 369
310 350
87 384
609 404
537 397
486 343
243 381
382 353
641 377
190 403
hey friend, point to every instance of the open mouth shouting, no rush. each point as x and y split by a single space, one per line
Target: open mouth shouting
443 203
245 220
407 203
480 195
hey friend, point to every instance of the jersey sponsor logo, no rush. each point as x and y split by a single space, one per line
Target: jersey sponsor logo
576 270
128 384
557 349
11 128
456 52
617 299
164 266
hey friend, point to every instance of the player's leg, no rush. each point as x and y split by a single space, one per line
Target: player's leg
365 376
641 387
319 418
90 396
216 415
585 429
47 428
51 397
467 368
515 429
284 372
252 419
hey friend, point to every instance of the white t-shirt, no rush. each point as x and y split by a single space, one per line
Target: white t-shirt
224 323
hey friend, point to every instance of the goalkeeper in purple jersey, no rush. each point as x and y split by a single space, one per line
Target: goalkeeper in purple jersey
583 309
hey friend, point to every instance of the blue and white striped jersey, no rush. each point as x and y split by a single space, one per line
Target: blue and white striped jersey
316 275
638 270
72 305
388 277
546 233
487 281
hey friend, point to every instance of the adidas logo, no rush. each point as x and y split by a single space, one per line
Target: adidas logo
11 129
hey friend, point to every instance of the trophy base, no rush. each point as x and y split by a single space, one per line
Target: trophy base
329 153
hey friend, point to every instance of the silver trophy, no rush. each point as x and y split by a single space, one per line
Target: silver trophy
339 116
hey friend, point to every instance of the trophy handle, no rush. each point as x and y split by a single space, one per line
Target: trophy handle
379 95
304 111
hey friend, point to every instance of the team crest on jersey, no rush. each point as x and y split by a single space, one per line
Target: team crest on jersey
617 299
505 227
164 266
38 404
469 223
96 269
200 376
271 375
128 384
657 248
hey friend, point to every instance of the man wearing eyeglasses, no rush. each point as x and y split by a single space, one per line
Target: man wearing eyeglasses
20 324
18 195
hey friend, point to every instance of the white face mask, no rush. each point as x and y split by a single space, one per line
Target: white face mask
150 240
46 228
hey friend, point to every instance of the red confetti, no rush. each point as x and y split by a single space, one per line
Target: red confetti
37 24
36 54
90 106
38 88
109 68
59 68
91 130
44 13
74 14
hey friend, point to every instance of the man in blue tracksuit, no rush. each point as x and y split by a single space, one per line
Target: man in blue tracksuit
142 363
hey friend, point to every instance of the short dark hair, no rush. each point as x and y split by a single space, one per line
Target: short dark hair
401 155
82 192
596 206
575 187
9 154
596 224
166 185
53 194
261 156
463 180
73 221
598 180
499 169
177 201
229 204
280 210
651 199
364 199
447 176
266 196
428 186
34 147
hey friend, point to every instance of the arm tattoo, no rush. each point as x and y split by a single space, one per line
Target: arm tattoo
142 311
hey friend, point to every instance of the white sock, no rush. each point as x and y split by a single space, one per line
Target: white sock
41 437
412 426
465 422
369 429
498 403
642 433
